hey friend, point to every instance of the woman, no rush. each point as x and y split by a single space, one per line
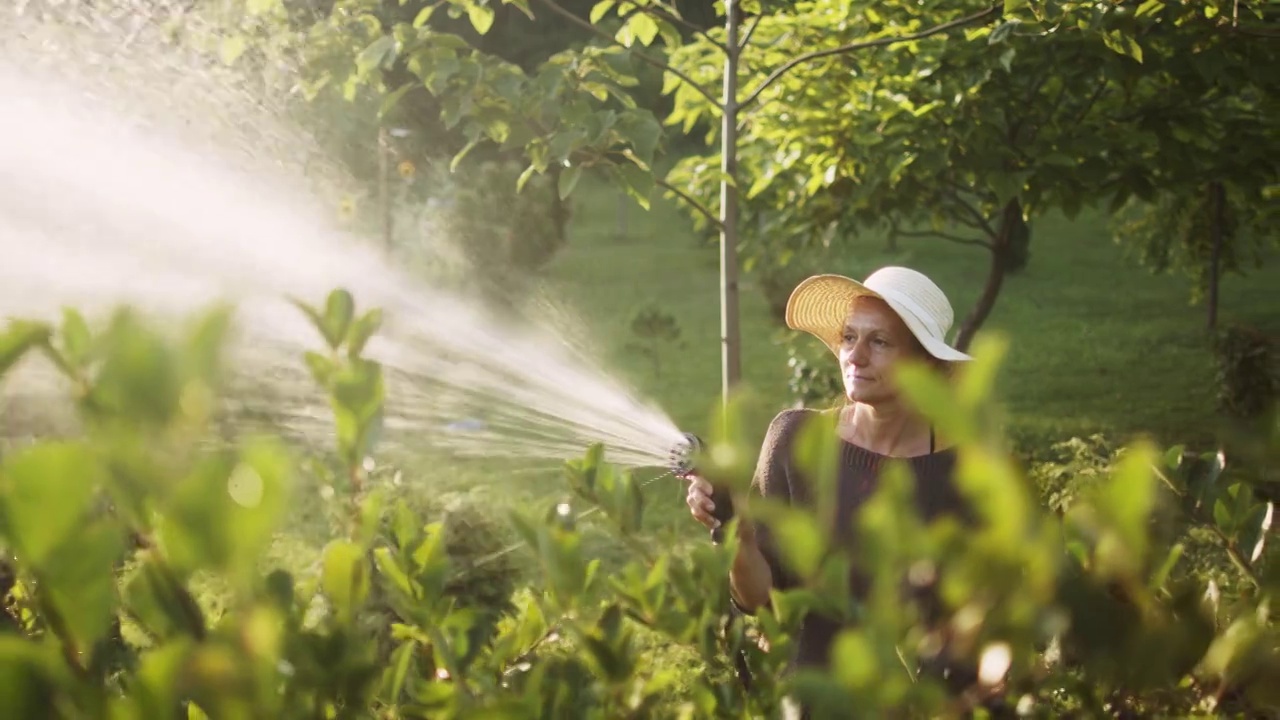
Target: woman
896 314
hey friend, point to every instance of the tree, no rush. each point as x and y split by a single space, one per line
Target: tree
966 140
1207 153
577 111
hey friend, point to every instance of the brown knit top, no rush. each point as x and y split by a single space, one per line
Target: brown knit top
778 478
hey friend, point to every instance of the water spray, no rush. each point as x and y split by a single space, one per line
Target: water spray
684 462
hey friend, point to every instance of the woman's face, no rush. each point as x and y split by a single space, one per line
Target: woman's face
875 338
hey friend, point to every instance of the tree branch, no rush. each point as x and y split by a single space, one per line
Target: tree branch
693 202
981 221
555 7
945 236
662 14
746 36
1097 93
773 77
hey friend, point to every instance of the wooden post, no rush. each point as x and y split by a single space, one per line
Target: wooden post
731 359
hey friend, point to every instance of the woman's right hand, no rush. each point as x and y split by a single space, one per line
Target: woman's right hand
699 501
701 506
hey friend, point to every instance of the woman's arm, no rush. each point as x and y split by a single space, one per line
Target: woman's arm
756 569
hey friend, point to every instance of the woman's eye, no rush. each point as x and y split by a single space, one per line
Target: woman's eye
849 337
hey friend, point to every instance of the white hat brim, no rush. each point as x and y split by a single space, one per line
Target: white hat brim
820 305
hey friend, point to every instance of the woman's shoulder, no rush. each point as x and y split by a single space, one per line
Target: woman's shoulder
787 422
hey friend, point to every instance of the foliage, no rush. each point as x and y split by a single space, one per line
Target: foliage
503 236
1248 372
1176 233
653 329
968 136
815 380
110 532
1202 158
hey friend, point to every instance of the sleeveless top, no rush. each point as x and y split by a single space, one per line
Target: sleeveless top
778 479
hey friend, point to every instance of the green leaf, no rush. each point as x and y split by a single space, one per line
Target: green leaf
358 388
424 16
1171 560
233 46
400 660
935 398
637 182
164 607
481 17
1253 530
1149 7
523 6
321 367
855 659
1012 6
474 136
600 9
345 578
31 673
223 513
362 330
525 177
643 131
79 581
799 539
1002 31
643 28
389 567
1123 44
568 180
17 339
46 491
75 337
1129 497
431 561
393 98
338 310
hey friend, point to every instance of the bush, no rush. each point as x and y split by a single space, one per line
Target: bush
499 227
112 533
1248 372
814 379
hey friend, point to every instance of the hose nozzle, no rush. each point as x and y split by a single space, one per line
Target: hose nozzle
684 458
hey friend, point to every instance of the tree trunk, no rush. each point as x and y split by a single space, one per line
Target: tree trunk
1217 203
731 361
1010 218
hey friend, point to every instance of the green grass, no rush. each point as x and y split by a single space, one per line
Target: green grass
1097 343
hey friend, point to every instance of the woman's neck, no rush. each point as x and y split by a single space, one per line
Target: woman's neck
888 429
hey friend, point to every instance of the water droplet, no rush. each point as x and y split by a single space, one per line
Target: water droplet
245 486
563 509
442 674
922 573
996 659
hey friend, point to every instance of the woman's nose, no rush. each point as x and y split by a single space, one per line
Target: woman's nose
858 354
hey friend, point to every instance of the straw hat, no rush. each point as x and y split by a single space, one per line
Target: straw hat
820 305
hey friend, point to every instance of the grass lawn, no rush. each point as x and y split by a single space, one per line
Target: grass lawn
1097 343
